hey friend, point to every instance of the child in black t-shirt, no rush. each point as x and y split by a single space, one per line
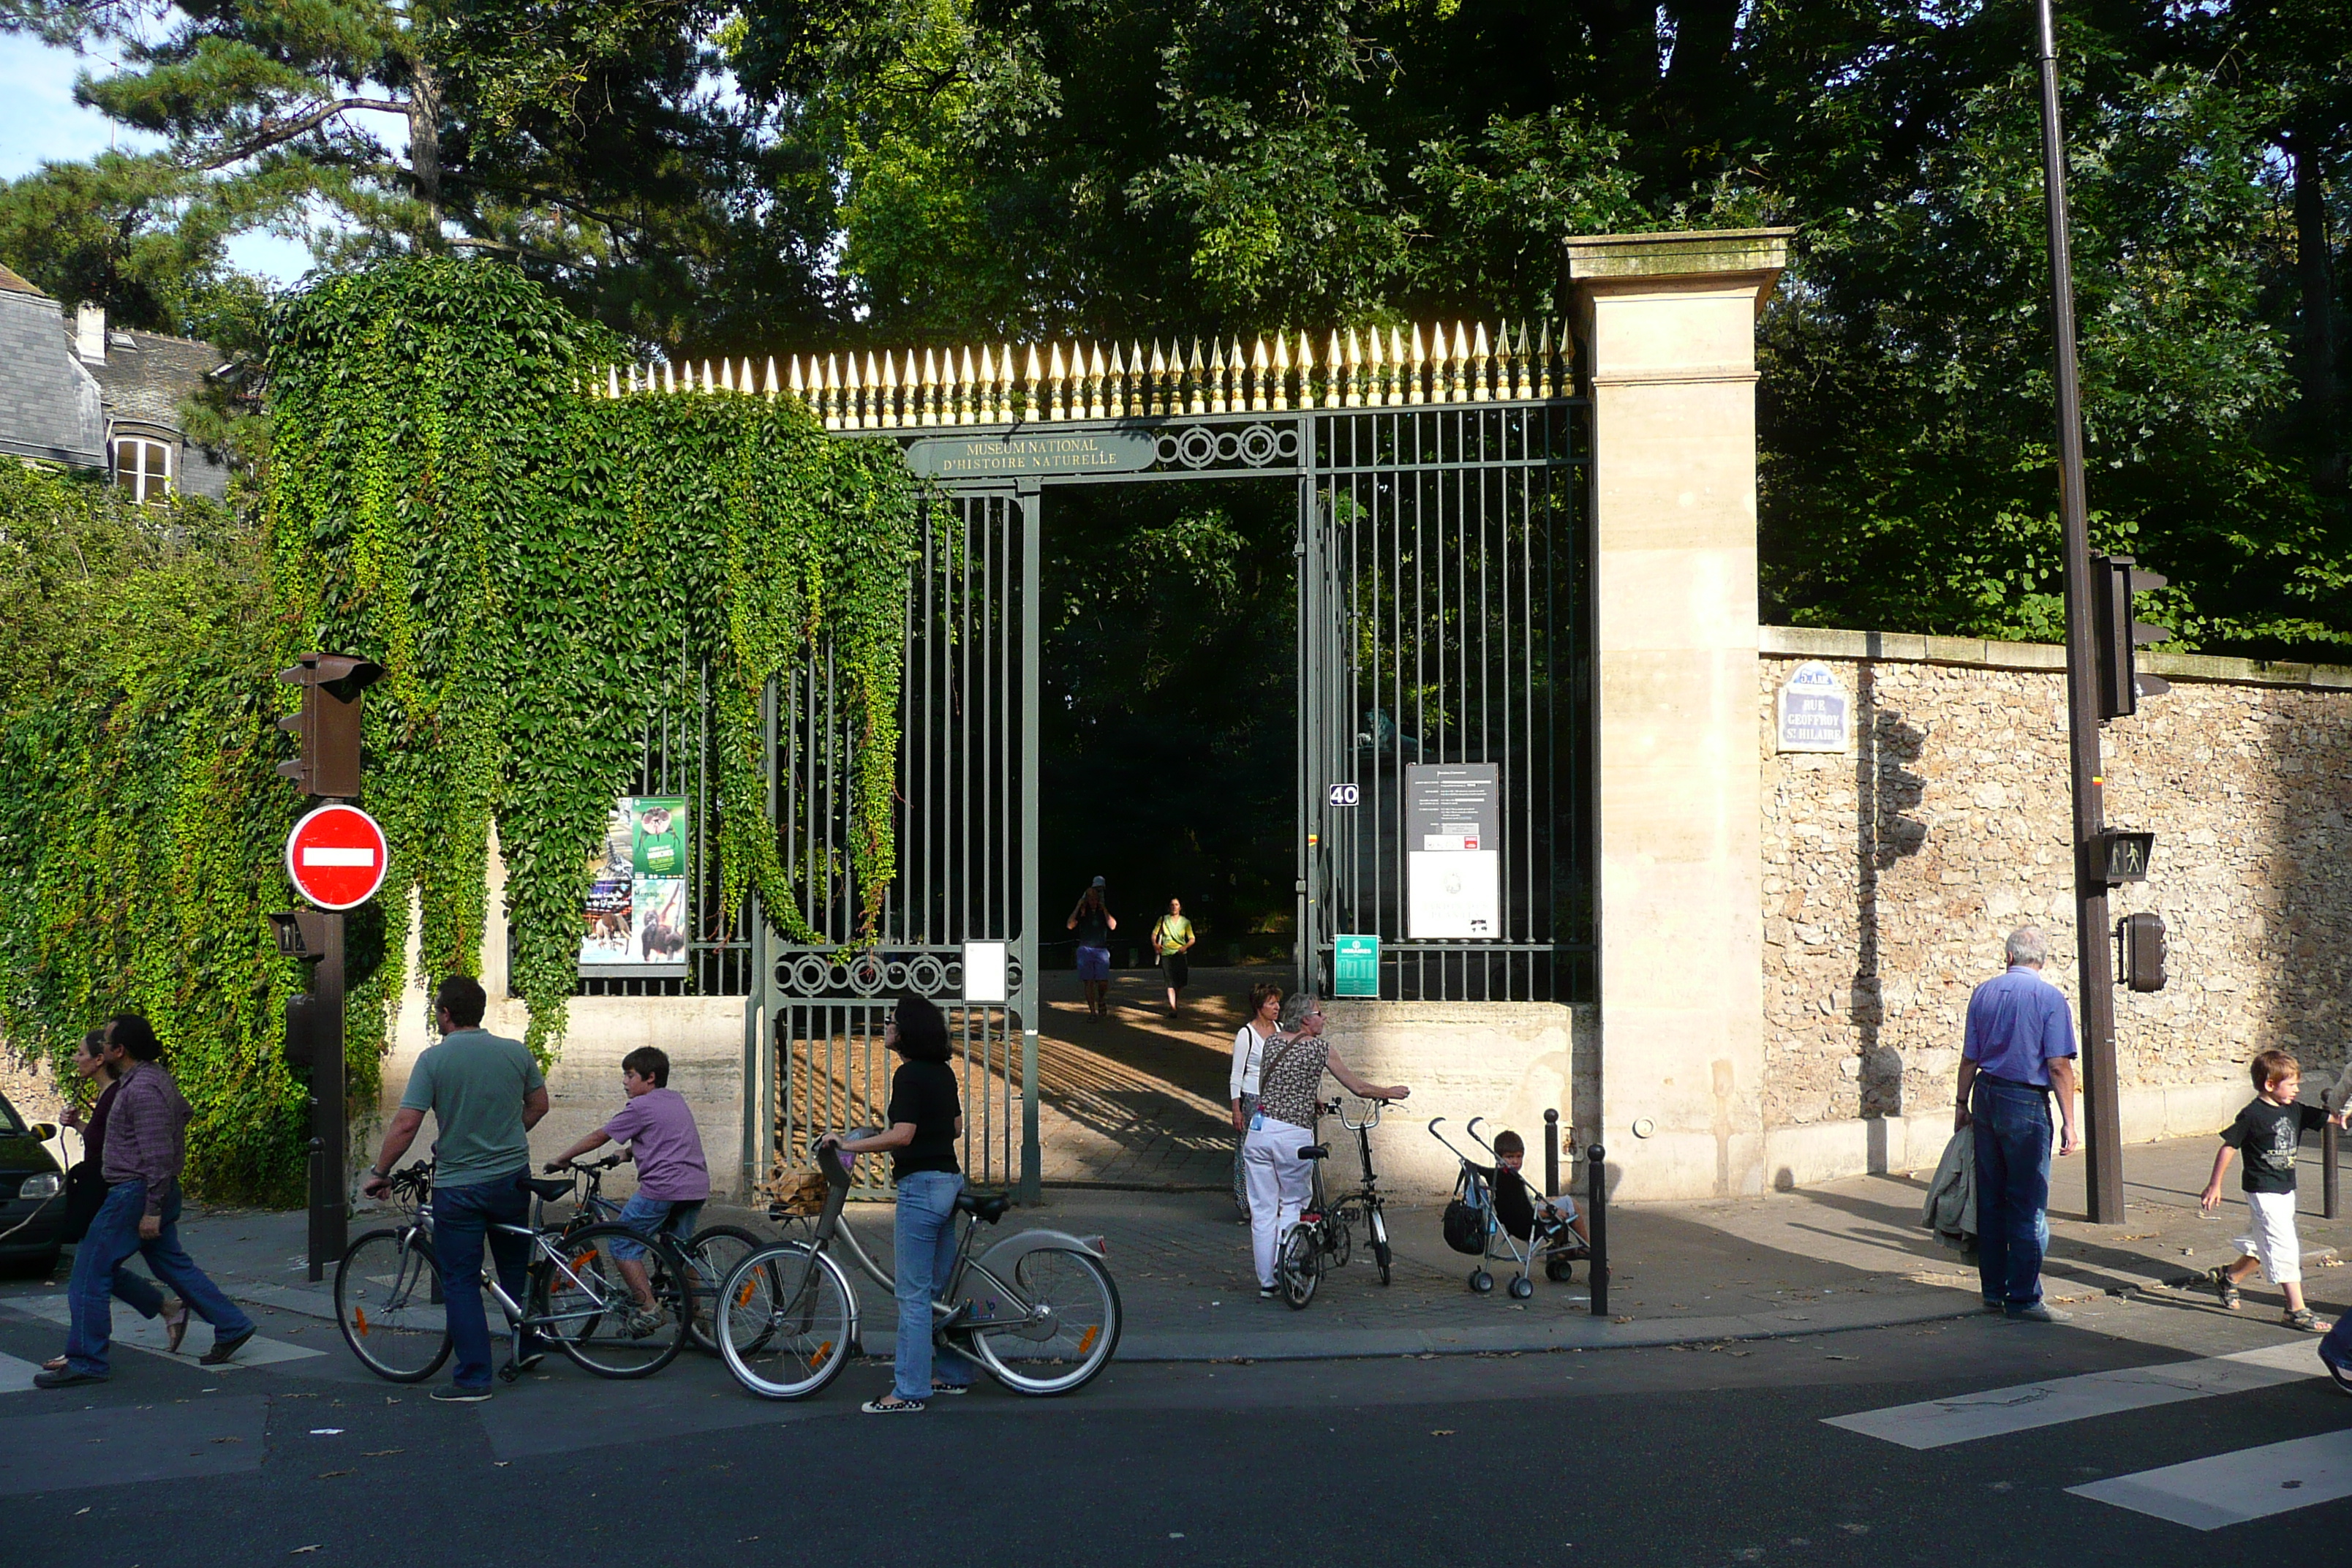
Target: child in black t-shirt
2268 1131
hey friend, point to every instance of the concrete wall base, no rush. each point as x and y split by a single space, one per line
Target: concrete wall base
1506 1061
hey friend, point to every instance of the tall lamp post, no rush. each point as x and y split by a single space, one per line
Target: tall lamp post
2102 1113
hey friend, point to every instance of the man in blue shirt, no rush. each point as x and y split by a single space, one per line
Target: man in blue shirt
2018 1049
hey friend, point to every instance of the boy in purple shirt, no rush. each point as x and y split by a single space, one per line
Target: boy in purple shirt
673 1182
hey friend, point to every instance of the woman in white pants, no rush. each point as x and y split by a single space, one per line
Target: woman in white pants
1290 1075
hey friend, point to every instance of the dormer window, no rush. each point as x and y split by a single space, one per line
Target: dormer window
144 469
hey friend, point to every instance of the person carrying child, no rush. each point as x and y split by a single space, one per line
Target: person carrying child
673 1181
2268 1131
1517 1209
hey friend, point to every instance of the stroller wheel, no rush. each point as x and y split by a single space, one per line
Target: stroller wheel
1559 1270
1522 1287
1481 1282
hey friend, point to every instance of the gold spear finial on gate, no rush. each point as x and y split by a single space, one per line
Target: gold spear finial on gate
1094 381
1481 365
1335 370
1115 383
1413 392
1277 390
1543 361
799 386
1351 395
1032 382
1054 381
1217 378
1196 402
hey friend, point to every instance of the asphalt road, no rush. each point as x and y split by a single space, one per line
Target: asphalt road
1700 1455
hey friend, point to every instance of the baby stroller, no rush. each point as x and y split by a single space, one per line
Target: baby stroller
1473 1228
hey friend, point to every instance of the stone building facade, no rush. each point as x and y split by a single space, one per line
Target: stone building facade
1892 872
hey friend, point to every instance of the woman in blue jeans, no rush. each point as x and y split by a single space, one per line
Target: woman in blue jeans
925 1118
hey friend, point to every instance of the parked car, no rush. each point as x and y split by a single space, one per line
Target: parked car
32 1194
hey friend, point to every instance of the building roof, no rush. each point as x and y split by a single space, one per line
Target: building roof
49 405
13 283
148 375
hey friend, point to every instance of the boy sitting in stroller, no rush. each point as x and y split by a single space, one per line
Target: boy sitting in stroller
1522 1216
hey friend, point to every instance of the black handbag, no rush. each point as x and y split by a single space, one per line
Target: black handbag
1465 1218
85 1195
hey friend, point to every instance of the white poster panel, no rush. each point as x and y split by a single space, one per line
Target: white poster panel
1454 894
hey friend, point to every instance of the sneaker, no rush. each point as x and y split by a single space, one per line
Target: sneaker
2303 1321
455 1394
2219 1279
642 1322
1268 1293
891 1404
1993 1306
950 1389
2038 1313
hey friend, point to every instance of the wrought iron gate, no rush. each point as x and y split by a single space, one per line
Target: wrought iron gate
1442 621
966 821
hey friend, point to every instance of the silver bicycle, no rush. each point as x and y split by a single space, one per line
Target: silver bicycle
1037 1310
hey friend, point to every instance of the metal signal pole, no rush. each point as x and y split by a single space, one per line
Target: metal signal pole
2102 1113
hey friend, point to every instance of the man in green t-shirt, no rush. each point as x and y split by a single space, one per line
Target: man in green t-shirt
1171 939
485 1094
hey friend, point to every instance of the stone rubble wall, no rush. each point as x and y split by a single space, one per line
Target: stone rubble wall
1893 874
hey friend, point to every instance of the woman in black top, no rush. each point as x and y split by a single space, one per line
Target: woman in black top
926 1118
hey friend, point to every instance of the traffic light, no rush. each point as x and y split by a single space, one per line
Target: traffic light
2116 855
328 727
2114 580
2139 940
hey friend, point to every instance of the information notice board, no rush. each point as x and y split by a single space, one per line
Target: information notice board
1453 859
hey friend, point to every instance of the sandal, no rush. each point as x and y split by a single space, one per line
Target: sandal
176 1317
2224 1287
891 1404
2303 1321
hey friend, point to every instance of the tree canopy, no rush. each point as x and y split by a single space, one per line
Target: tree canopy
789 173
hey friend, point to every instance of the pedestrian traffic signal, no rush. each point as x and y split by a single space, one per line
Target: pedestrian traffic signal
328 728
2114 580
2116 855
2139 941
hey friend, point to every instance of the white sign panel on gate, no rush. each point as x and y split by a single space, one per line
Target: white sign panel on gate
1813 712
983 971
1454 894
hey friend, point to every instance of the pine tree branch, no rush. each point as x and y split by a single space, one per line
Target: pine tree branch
276 133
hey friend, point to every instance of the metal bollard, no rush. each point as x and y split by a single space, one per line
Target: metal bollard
1551 1151
1596 1220
2327 1145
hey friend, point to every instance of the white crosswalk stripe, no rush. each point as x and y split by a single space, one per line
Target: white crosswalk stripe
1965 1417
16 1376
2230 1489
2203 1494
147 1334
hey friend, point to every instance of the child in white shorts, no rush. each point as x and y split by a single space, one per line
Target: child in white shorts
2269 1133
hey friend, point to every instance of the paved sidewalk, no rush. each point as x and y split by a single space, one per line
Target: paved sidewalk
1850 1255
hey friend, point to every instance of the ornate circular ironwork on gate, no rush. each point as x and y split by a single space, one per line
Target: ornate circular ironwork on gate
1249 445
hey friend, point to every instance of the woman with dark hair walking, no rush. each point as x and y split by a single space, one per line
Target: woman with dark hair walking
925 1119
145 1147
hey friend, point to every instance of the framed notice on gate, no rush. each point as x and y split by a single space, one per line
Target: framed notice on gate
1356 966
1453 864
635 920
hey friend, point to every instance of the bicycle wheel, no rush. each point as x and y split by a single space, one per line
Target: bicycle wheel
388 1303
787 1319
592 1314
711 1254
1378 1227
1058 1334
1299 1266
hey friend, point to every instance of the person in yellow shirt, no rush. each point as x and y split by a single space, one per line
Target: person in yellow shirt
1171 939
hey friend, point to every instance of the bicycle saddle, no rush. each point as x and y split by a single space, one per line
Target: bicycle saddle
1316 1151
553 1188
988 1209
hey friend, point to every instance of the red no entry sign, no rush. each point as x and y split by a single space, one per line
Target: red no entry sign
336 856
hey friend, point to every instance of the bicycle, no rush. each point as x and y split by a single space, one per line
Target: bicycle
1323 1235
390 1307
1038 1309
709 1253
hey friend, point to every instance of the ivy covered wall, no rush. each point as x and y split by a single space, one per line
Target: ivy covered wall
536 568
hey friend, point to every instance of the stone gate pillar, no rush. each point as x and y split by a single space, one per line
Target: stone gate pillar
1669 321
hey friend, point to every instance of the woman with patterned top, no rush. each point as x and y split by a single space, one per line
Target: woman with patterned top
1290 1076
